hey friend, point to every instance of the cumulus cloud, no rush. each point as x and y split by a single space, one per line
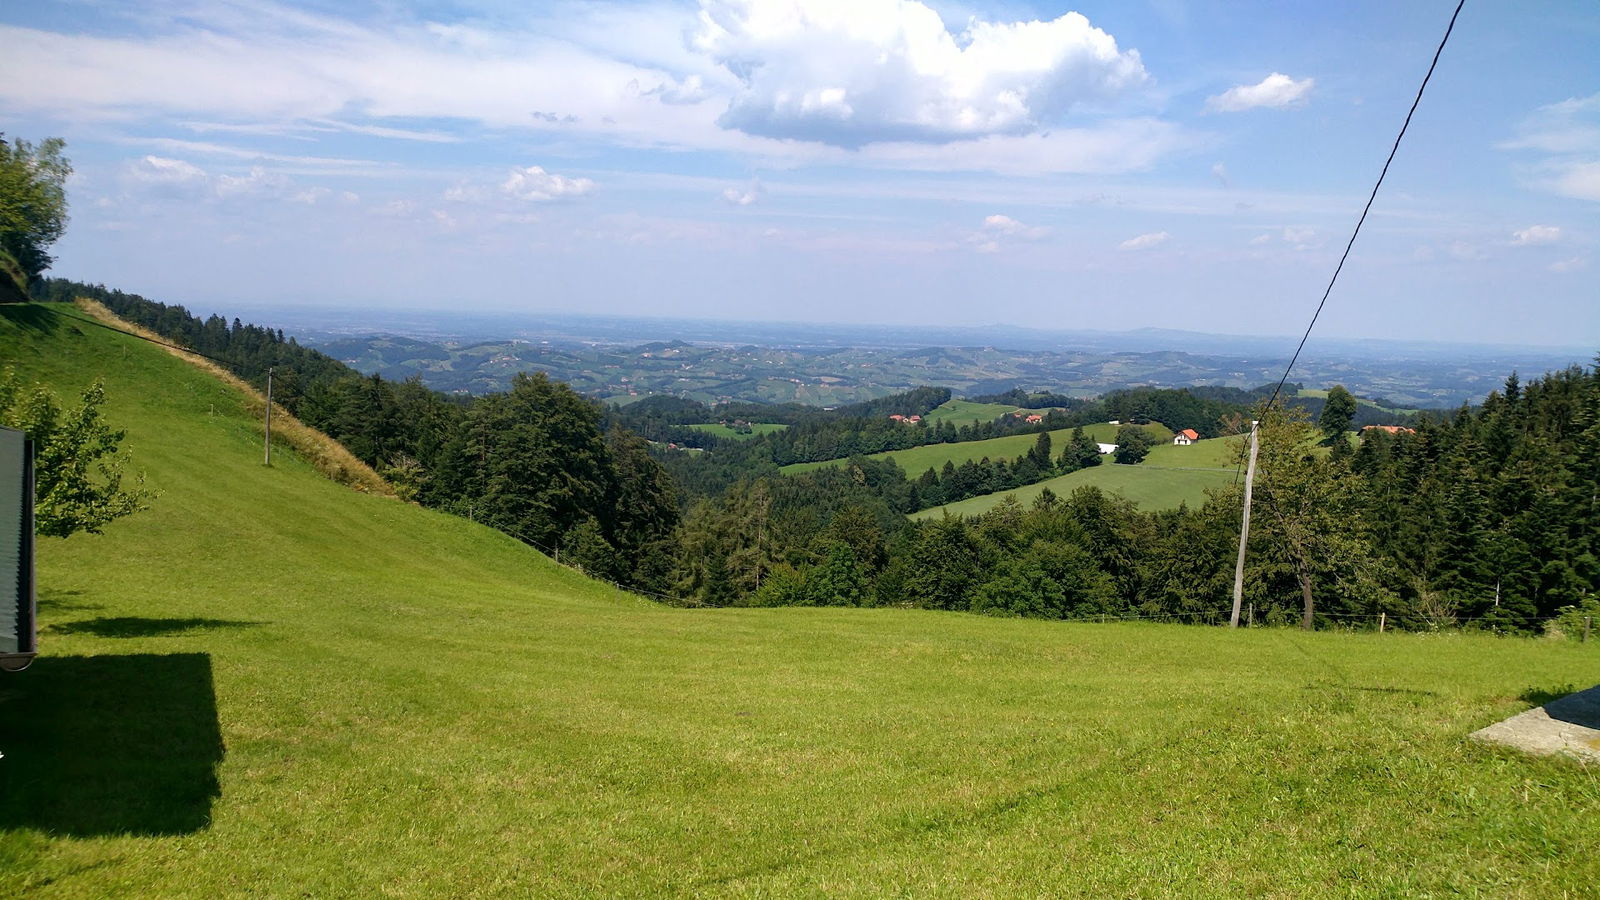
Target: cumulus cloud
160 170
1220 173
535 185
1536 234
1145 241
999 224
745 196
1276 91
865 71
1570 265
998 230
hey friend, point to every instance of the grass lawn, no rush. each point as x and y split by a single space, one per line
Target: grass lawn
916 460
1360 401
723 431
1150 487
270 685
965 412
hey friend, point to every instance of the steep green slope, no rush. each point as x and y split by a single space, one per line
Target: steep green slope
271 685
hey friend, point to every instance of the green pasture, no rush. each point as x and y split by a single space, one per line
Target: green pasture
1150 487
965 412
723 431
916 460
268 685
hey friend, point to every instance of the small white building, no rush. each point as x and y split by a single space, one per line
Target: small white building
1186 437
1107 448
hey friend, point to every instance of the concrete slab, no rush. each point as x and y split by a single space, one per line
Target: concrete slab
1566 727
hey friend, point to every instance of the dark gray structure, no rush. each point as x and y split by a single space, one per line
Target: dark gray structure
17 642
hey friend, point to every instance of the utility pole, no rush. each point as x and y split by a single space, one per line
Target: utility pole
1244 525
268 457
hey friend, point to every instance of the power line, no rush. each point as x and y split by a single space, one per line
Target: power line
1368 207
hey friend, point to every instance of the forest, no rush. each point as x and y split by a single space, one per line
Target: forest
1485 516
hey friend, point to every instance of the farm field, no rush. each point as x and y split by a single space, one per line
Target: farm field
268 684
916 460
965 412
1149 487
723 431
1169 477
1360 401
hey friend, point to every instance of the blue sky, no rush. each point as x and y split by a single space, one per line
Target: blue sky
1095 165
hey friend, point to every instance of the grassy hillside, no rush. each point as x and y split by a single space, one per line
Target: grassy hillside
916 460
269 684
965 412
756 429
1168 478
1151 487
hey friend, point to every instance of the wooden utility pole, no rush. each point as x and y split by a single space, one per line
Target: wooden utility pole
1244 524
268 457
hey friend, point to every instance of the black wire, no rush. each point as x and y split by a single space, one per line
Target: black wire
1368 208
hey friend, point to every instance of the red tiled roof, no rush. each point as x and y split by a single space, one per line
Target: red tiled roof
1191 434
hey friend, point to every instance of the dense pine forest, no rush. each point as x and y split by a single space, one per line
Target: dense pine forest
1489 516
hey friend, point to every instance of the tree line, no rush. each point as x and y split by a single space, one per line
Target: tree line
1489 516
537 461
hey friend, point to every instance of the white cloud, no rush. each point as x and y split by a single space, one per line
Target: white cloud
1301 238
1145 241
1220 173
1570 265
999 230
535 185
745 196
1536 234
1010 227
1580 180
856 72
1567 134
159 170
1260 239
1276 91
1464 251
622 75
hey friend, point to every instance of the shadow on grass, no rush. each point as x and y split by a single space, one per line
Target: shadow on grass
1541 696
1571 705
60 598
100 745
135 626
30 317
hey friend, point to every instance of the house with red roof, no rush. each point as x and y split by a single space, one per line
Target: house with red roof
1186 437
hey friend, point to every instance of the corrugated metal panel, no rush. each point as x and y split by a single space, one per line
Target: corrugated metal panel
16 544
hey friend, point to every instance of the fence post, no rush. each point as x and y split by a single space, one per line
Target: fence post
1252 620
1382 619
1588 622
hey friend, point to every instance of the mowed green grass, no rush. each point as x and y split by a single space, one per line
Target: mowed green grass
1149 487
268 685
965 412
723 431
1169 477
916 460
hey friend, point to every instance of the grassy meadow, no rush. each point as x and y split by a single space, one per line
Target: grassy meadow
723 431
965 412
1149 487
270 685
916 460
